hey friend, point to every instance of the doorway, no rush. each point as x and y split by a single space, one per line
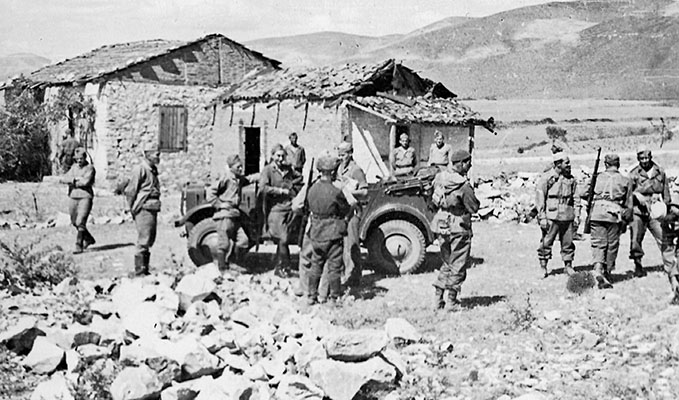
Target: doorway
252 150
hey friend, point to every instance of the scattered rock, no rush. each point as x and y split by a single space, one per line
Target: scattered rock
294 387
57 387
44 357
399 328
135 383
357 345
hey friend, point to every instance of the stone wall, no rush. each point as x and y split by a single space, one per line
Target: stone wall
198 64
133 120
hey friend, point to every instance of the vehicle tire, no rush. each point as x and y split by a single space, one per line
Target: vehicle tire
396 247
202 241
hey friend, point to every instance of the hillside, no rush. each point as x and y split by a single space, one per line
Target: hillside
15 64
583 49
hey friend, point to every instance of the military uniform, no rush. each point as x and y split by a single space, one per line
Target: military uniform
610 211
649 186
452 223
555 203
225 193
328 208
440 156
278 187
354 176
404 160
143 197
80 180
296 157
66 153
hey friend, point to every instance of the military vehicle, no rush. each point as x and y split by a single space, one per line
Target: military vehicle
394 224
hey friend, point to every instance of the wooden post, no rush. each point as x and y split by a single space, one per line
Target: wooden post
392 146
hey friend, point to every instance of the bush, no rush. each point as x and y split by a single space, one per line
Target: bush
30 266
556 133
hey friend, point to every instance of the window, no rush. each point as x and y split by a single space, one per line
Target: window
173 128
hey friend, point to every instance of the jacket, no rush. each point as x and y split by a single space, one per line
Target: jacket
143 189
612 196
555 197
454 197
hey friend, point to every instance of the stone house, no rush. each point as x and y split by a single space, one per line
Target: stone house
368 105
152 90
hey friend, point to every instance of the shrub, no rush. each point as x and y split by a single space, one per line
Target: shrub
556 133
31 266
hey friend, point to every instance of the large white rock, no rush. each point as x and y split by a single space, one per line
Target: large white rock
56 387
135 383
145 320
208 271
399 328
193 288
234 386
246 316
44 357
187 390
128 295
532 396
311 350
342 380
356 345
20 336
294 387
233 361
394 358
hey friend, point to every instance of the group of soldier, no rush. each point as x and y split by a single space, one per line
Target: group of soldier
329 258
642 200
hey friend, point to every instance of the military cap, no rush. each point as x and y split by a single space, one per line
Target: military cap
460 155
327 161
79 151
232 159
560 156
404 135
438 134
151 147
644 151
612 159
345 147
292 134
277 147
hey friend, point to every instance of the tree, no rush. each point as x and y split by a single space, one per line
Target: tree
556 133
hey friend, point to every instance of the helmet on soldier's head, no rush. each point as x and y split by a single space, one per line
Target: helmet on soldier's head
327 161
460 155
151 147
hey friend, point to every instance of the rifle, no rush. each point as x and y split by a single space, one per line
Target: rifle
305 217
590 193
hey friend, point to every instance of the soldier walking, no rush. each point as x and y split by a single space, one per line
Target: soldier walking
456 202
611 211
328 209
277 184
403 158
649 185
296 156
143 198
555 203
439 152
353 179
80 179
225 193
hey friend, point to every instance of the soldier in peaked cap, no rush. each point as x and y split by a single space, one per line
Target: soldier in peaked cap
650 185
557 215
403 158
143 198
454 197
225 192
80 179
611 211
328 209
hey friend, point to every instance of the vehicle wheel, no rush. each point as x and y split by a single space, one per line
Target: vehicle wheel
202 241
396 247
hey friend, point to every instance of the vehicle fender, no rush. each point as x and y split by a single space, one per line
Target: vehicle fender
195 215
376 214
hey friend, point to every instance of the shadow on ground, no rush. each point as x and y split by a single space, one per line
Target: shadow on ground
481 301
105 247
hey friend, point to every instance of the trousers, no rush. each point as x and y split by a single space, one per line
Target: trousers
456 256
661 234
146 222
605 240
564 230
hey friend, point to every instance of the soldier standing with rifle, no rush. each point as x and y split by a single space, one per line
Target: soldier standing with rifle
609 210
555 203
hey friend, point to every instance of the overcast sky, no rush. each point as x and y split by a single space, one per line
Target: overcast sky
58 29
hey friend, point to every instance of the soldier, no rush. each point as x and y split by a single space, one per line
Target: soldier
328 208
143 198
80 179
650 185
403 158
225 192
611 210
296 156
672 233
66 152
439 152
456 202
277 184
555 203
353 180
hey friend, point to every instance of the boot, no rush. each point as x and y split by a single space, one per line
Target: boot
439 303
235 260
139 266
601 280
88 239
146 262
78 243
543 266
453 303
639 268
219 257
607 273
568 268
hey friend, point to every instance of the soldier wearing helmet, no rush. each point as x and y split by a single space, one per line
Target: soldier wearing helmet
328 209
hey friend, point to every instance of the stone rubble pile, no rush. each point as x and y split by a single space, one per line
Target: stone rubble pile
507 199
200 337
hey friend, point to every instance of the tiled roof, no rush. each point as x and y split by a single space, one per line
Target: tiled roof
422 110
308 83
112 58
